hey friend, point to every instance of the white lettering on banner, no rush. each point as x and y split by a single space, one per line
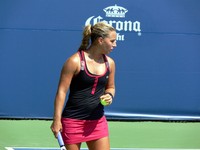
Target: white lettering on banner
118 25
117 12
120 37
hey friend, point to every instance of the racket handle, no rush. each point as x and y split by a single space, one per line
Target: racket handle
60 141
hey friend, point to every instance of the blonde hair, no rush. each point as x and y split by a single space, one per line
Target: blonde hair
91 33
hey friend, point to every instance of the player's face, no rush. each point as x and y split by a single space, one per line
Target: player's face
109 43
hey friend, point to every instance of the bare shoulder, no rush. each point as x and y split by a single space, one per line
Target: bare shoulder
111 63
74 59
72 64
110 60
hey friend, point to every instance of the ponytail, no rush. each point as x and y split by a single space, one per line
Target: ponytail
86 38
91 33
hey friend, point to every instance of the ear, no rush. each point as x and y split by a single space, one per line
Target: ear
100 40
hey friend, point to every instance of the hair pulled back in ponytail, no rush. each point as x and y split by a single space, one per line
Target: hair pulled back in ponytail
86 37
91 33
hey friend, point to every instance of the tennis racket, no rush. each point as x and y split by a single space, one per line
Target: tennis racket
60 142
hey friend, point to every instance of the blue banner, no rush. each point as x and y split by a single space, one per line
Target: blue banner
157 55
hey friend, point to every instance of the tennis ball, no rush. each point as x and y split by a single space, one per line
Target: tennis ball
103 102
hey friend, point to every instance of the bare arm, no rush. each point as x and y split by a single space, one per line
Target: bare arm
69 69
110 87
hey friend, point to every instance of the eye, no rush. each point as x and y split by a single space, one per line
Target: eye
113 41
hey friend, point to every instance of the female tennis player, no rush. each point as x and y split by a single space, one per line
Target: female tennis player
89 75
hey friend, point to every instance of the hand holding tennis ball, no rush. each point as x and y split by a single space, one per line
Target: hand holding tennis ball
106 99
103 102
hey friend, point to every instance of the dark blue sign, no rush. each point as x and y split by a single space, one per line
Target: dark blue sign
157 55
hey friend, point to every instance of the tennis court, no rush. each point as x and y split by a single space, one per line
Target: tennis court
25 148
36 134
157 70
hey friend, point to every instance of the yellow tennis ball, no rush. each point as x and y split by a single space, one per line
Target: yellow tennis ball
103 102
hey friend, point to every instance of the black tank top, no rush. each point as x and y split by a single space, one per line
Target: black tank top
85 89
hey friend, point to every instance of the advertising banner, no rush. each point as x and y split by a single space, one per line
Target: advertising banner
157 55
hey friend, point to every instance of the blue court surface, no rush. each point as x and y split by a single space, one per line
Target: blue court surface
40 148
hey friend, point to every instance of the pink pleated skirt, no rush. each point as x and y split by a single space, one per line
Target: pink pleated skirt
76 131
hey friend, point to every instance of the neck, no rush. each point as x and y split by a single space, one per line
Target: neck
94 54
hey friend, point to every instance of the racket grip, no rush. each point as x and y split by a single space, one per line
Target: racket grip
60 141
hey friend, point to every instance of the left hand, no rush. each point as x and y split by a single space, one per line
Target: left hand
107 98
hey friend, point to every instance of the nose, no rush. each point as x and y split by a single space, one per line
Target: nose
115 44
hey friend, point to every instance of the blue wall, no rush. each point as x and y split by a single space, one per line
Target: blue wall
157 59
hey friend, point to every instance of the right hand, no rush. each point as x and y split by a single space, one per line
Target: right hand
56 126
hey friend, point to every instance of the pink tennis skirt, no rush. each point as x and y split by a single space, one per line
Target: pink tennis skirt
77 131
